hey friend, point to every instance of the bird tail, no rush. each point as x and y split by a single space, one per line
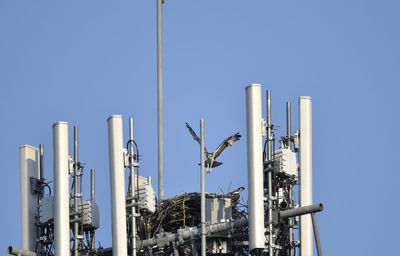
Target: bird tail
215 164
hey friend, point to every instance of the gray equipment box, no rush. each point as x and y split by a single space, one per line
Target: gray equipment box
90 214
147 198
89 211
46 209
285 162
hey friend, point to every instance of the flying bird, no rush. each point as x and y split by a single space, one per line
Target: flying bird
210 161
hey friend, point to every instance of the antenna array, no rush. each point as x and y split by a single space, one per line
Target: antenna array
63 223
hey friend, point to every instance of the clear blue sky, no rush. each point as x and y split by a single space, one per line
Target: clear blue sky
81 61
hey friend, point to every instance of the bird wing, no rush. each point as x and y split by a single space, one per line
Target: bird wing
195 137
227 142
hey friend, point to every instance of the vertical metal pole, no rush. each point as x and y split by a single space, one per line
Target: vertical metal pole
117 186
61 189
269 181
92 198
41 160
255 174
160 104
194 249
288 145
316 234
288 123
306 246
269 151
75 196
203 189
291 234
176 251
92 184
132 177
41 193
29 167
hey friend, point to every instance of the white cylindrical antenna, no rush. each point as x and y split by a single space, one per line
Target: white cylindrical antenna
61 189
306 232
255 167
117 186
29 167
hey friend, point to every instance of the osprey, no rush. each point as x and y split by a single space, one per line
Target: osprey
210 161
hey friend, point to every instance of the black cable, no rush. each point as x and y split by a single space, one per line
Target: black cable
129 184
137 159
46 185
264 152
136 146
72 184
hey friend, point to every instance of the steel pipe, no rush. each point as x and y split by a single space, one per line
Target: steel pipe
132 181
117 186
92 184
160 104
75 195
190 233
203 191
20 252
301 211
288 141
271 193
316 234
41 160
92 198
255 175
61 189
288 120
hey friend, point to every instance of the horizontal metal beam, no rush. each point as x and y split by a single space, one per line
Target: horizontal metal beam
302 210
188 233
17 251
193 232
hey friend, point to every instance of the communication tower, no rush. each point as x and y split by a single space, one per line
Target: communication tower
57 220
